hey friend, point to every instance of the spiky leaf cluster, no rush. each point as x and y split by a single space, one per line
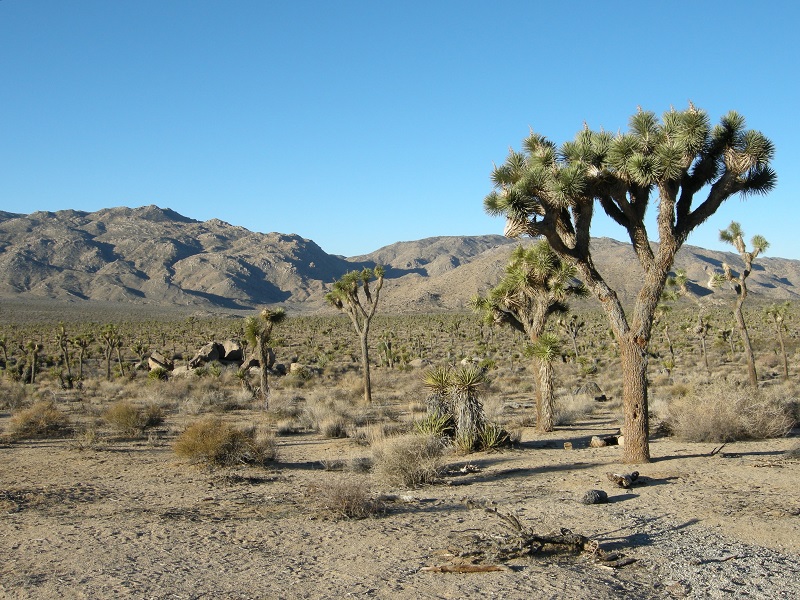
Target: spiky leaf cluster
545 190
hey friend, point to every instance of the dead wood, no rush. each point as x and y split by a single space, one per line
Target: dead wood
465 568
623 480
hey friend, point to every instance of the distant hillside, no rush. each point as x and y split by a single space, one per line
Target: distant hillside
156 256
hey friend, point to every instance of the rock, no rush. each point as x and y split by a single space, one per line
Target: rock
594 497
232 351
417 363
182 371
606 440
159 361
208 353
588 389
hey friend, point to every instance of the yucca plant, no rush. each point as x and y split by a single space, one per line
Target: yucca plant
466 388
437 381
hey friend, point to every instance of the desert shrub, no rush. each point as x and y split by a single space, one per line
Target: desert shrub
334 426
345 498
722 412
128 419
214 442
408 460
493 437
42 420
12 395
158 374
572 407
87 438
436 424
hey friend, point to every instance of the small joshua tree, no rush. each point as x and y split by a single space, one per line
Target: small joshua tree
536 285
258 333
777 315
82 343
63 345
735 236
345 296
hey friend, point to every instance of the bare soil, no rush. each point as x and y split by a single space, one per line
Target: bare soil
134 520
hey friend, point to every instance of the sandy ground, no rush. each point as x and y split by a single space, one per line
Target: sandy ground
133 520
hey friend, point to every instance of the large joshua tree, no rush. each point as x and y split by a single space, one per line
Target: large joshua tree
258 333
734 236
549 191
536 285
345 296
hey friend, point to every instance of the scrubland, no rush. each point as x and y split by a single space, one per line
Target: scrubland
185 484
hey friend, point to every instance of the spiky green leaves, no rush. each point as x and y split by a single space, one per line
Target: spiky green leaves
546 348
437 379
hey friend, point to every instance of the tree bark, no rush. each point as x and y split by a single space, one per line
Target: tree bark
365 365
748 348
545 401
636 427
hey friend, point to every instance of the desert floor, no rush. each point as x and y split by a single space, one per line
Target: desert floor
134 520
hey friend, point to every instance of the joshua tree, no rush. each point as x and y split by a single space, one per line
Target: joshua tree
537 284
777 315
345 296
545 349
572 327
63 345
735 236
4 349
33 348
82 343
549 191
701 330
140 349
258 333
111 341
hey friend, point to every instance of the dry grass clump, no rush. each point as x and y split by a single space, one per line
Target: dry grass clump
42 420
216 443
345 498
570 408
334 426
12 395
130 420
723 412
408 460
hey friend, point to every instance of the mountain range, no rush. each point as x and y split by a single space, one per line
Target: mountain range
151 255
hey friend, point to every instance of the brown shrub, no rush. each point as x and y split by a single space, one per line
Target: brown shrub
130 420
345 498
214 442
408 460
723 412
42 420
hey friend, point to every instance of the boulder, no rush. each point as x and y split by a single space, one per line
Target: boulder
232 351
208 353
590 389
159 361
417 363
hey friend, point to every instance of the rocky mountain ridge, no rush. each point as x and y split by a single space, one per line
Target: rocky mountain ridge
151 255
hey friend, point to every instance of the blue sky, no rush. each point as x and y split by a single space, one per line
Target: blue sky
359 124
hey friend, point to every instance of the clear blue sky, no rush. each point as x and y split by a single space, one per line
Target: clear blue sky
359 124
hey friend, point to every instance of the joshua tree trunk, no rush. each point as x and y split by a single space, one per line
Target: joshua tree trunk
634 399
748 348
545 400
783 353
363 338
